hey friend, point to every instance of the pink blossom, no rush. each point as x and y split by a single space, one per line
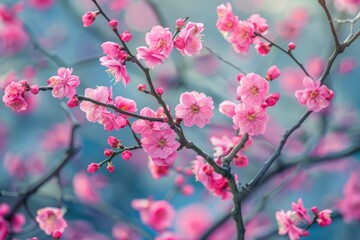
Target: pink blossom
116 68
193 220
126 155
64 84
195 109
94 111
168 236
190 39
161 145
226 21
117 5
287 225
121 231
347 65
272 73
212 181
349 6
156 214
88 18
112 121
179 23
160 45
13 38
324 218
259 23
114 51
349 206
253 89
224 145
113 23
241 160
242 36
125 104
227 108
4 228
14 96
92 167
56 137
263 48
17 222
157 171
144 126
126 36
300 210
314 96
85 188
292 25
51 219
41 4
251 120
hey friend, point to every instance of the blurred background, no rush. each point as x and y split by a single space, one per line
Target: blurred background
51 35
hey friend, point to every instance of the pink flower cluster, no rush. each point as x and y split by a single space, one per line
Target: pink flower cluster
349 206
315 96
250 115
158 139
14 96
64 83
241 34
156 214
16 223
224 145
195 109
114 59
97 113
160 43
50 220
212 181
289 222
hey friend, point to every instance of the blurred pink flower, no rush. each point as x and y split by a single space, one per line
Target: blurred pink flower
157 171
195 109
14 96
349 206
56 137
242 36
349 6
121 231
41 4
288 225
51 219
85 188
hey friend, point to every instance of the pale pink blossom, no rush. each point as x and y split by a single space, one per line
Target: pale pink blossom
259 23
250 119
349 6
160 45
125 104
161 145
224 145
227 108
195 109
189 40
288 225
300 210
242 36
14 96
349 206
94 111
64 84
51 219
41 4
226 21
116 68
156 214
17 222
157 171
212 181
253 89
315 96
292 25
144 126
85 189
112 121
324 218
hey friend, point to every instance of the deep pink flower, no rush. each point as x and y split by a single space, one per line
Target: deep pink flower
253 89
64 84
4 228
301 211
126 36
88 18
212 181
287 225
272 73
314 96
13 38
195 109
17 222
160 45
125 104
190 39
242 36
51 219
85 188
161 145
263 48
250 119
116 68
156 214
92 167
94 111
126 155
324 218
14 96
157 171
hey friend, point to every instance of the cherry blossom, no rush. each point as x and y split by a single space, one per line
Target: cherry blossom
349 206
51 219
64 84
253 89
287 225
189 40
14 96
251 120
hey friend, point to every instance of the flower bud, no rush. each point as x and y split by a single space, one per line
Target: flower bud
34 89
126 36
126 155
113 24
291 46
89 18
73 102
108 152
272 73
114 142
110 167
180 23
92 167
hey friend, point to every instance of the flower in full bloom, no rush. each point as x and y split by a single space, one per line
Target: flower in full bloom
156 214
14 96
144 126
189 40
125 104
94 111
112 121
227 21
195 109
242 36
51 219
116 68
259 23
300 210
250 119
315 96
288 225
160 45
253 89
349 206
64 84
